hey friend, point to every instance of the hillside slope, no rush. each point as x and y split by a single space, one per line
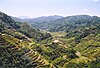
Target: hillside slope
39 22
73 22
75 44
16 42
7 23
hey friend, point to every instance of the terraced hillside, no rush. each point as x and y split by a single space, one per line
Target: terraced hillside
8 25
15 53
16 43
21 46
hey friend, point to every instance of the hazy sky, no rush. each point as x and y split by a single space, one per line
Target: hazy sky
37 8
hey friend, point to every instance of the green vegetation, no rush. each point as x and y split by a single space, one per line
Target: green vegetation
70 42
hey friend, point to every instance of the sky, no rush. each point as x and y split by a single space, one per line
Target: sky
37 8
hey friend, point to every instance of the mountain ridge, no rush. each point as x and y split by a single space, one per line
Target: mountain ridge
73 42
38 19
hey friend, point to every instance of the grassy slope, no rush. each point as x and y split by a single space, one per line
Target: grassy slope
15 53
18 48
83 54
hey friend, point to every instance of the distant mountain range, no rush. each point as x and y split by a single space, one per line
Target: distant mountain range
69 42
8 25
59 23
72 22
23 17
38 19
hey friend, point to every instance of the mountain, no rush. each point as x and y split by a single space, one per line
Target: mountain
17 19
66 23
38 19
18 47
74 42
79 46
73 22
44 18
23 17
16 42
7 23
59 23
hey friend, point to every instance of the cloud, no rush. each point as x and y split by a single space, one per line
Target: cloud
85 9
68 8
95 0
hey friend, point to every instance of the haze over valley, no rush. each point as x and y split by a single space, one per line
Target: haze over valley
49 34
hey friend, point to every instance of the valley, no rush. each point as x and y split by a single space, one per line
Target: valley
55 42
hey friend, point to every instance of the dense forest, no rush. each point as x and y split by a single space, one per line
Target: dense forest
50 42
